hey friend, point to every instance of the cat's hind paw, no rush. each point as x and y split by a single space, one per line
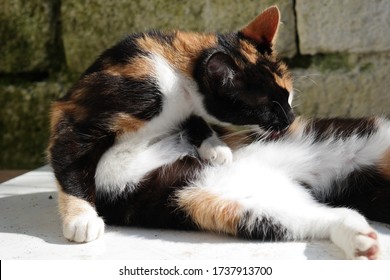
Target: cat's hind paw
83 228
367 247
355 236
215 153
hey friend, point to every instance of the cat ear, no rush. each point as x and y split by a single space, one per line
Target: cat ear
264 27
221 69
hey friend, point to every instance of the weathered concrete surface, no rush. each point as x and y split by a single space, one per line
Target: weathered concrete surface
359 87
343 26
89 26
25 34
24 123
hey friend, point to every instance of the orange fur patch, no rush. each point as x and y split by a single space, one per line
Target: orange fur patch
78 112
138 68
185 48
70 206
122 123
209 211
58 110
298 126
384 165
284 81
248 51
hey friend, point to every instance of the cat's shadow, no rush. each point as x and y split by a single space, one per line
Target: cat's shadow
36 215
32 214
313 250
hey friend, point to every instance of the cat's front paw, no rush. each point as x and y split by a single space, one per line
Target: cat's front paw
215 153
83 228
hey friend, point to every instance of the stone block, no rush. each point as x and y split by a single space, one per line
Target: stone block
26 30
89 26
24 123
359 87
359 26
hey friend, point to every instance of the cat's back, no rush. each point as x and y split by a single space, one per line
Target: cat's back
137 54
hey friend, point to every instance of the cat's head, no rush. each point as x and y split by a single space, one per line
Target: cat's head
243 80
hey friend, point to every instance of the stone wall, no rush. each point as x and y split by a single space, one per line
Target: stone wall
338 50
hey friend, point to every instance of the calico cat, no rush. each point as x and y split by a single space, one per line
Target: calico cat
300 186
126 146
149 85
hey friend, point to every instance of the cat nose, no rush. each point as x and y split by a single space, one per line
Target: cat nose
286 113
290 116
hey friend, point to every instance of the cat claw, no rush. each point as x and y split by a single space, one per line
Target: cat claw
84 228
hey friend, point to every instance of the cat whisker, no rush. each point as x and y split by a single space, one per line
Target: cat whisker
307 75
297 90
251 131
310 79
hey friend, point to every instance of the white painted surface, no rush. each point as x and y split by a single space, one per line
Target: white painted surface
30 229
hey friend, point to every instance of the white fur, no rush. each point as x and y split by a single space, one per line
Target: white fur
290 97
319 163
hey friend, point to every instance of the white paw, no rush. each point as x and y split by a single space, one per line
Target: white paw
215 153
366 246
83 228
358 240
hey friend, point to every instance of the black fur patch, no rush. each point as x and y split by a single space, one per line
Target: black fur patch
364 190
264 228
75 154
120 54
197 130
105 95
342 128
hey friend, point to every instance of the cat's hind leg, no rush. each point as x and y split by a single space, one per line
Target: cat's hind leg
272 210
352 233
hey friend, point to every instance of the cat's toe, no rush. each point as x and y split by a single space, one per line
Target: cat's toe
84 228
367 247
